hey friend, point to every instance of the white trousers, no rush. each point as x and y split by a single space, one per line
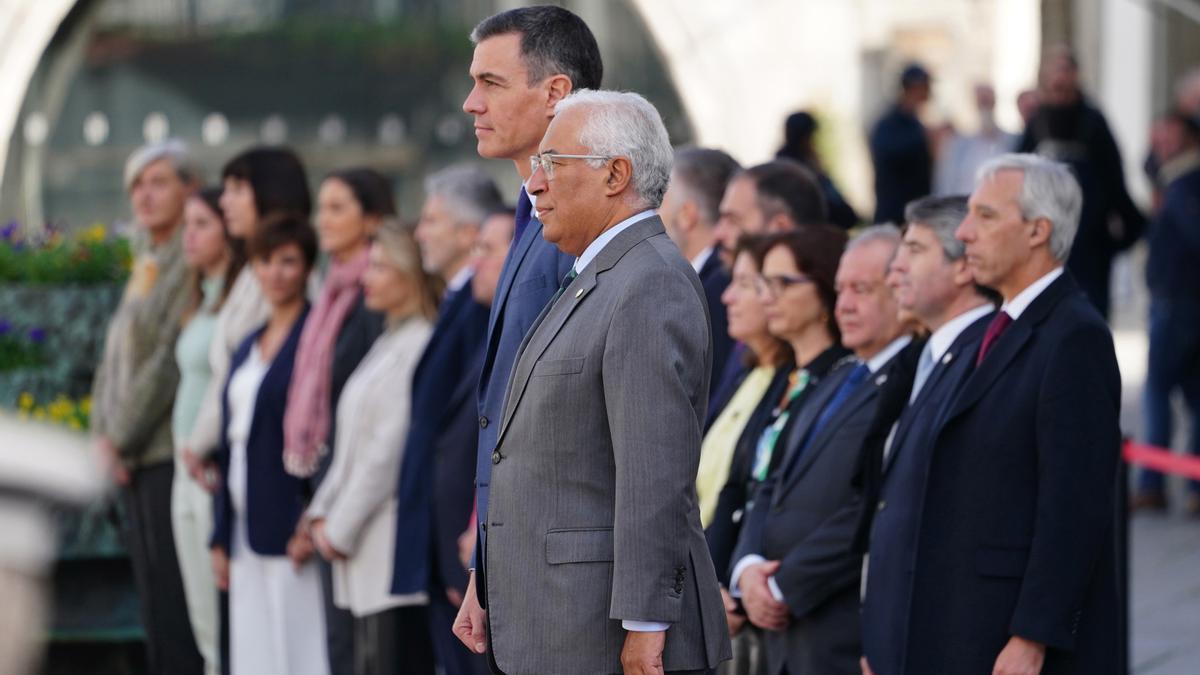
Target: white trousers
191 522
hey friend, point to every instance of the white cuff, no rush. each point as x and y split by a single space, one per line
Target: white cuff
778 594
644 626
746 561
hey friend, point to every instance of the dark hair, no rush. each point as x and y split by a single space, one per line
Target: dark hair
553 41
277 177
798 131
211 197
371 190
816 250
788 187
280 229
705 173
913 75
756 246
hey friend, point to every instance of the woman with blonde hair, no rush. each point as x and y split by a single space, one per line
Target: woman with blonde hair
353 515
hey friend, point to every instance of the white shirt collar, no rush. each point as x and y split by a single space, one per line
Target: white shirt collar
459 280
1017 306
880 360
593 249
942 338
702 258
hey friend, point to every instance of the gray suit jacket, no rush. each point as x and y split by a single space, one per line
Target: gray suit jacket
593 516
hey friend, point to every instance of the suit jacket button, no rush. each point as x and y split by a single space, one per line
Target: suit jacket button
483 422
496 456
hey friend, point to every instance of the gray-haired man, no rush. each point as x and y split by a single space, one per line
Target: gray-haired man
132 395
595 559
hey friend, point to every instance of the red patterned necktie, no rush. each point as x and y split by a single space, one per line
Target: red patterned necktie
999 324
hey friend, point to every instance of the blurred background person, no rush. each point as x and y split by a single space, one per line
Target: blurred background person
214 259
276 613
1174 282
353 514
255 184
799 132
900 149
689 212
132 394
1069 129
434 486
774 197
340 330
962 155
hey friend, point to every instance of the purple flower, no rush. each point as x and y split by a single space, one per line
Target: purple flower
9 232
5 327
37 335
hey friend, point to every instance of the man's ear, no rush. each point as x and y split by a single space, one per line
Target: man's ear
688 217
781 222
620 174
558 87
1039 234
962 272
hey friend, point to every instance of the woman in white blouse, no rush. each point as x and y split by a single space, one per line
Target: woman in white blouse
353 514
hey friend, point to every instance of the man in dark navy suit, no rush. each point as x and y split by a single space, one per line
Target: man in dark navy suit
1015 565
689 213
526 60
930 280
457 201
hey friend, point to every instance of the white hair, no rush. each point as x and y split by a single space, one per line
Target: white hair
885 233
173 150
1048 190
467 191
623 124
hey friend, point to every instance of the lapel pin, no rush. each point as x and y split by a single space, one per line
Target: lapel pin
880 380
947 358
578 293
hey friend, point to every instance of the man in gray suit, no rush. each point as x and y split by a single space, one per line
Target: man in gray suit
595 561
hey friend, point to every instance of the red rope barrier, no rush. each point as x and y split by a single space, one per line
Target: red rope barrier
1162 459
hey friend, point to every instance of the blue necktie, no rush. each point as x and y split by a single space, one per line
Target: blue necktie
523 216
856 377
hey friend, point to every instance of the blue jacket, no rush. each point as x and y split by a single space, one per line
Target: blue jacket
457 335
531 275
715 280
1171 270
275 499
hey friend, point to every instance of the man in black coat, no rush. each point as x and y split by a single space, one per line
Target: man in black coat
1015 568
900 149
930 279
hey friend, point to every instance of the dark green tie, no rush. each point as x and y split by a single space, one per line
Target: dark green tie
566 281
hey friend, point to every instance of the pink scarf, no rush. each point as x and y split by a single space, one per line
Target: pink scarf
306 420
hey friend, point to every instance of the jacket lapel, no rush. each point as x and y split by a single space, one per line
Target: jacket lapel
1009 345
857 399
511 264
554 316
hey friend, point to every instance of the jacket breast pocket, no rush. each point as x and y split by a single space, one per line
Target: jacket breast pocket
1003 562
579 545
558 367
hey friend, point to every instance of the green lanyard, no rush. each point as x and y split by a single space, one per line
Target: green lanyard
770 436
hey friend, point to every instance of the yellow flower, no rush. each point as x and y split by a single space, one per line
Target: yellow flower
95 234
25 402
39 413
75 424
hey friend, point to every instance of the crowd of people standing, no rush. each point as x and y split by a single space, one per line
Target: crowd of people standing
882 449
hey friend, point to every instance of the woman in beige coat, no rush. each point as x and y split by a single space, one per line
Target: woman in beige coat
353 514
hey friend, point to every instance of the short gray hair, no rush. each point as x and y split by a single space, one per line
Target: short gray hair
886 233
1048 190
467 191
173 150
703 174
624 124
942 215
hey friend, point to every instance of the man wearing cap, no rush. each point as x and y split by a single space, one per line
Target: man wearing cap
900 149
134 390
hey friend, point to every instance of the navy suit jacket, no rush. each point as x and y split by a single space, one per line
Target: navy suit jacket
1016 535
715 280
275 499
457 335
898 494
531 275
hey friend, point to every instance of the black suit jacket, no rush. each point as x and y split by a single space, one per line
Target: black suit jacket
715 280
1016 535
898 489
457 335
806 517
454 475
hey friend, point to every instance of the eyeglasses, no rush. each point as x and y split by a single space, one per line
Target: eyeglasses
777 284
545 161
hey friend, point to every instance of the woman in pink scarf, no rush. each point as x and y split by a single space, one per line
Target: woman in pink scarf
340 331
